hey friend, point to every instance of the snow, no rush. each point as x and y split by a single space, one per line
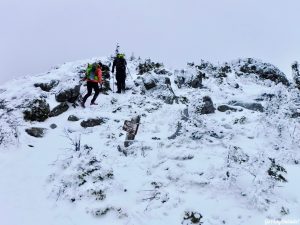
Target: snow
216 164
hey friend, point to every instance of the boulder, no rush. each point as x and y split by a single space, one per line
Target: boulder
53 126
196 82
38 110
69 95
263 70
92 122
61 108
73 118
47 86
251 106
224 108
36 132
149 83
207 107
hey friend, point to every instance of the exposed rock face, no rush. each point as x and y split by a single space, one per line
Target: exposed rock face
38 110
73 118
263 70
224 108
36 131
47 86
251 106
207 107
92 122
69 95
61 108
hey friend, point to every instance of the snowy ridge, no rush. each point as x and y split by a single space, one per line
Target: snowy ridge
233 166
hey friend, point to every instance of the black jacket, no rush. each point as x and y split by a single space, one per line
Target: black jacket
120 65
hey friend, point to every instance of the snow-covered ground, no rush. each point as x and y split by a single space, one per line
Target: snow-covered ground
184 167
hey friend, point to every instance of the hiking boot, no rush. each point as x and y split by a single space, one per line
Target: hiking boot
94 103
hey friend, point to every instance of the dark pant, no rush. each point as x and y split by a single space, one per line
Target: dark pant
121 77
90 87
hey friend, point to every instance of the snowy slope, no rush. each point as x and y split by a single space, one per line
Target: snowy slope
235 167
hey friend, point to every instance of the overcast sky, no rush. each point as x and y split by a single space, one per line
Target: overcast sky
36 35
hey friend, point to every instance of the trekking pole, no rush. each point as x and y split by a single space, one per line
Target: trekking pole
129 73
113 83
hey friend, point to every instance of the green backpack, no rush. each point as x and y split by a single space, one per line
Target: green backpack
91 72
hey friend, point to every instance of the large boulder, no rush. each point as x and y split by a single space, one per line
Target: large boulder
69 95
36 131
196 82
251 106
261 69
47 86
61 108
38 110
149 82
92 122
207 106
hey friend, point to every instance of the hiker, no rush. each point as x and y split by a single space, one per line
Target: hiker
120 65
93 78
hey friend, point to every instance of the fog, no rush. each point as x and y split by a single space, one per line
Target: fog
37 35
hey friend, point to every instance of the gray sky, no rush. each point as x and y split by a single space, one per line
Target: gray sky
36 35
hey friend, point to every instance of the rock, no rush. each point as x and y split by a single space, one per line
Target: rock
167 81
296 74
69 95
92 122
190 81
224 108
295 115
36 131
73 118
263 70
149 83
180 81
197 81
207 107
148 66
53 126
185 115
61 108
47 86
169 99
38 110
251 106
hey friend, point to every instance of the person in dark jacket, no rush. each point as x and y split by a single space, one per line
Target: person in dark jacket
93 78
120 65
